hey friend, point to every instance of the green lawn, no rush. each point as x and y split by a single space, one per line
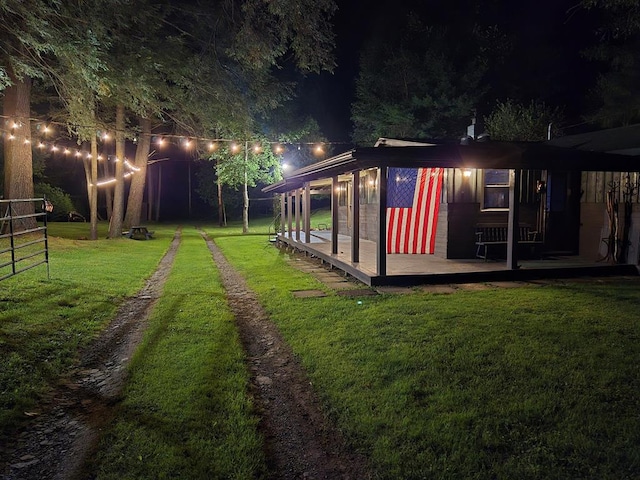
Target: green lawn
527 383
185 412
44 323
534 382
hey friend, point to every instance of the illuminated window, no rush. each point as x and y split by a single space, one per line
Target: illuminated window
496 189
369 186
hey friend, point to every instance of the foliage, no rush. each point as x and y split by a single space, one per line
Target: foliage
424 83
511 121
61 200
614 95
252 163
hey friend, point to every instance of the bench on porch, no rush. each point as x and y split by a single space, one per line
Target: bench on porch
492 235
139 232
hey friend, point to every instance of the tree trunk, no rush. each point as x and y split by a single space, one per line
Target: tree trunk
107 189
18 161
222 220
93 193
138 179
245 194
115 225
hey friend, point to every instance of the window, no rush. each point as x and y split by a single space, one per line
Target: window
343 191
369 186
496 189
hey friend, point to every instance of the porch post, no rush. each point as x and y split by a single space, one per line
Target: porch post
296 210
307 212
355 228
334 215
381 250
514 219
283 212
289 216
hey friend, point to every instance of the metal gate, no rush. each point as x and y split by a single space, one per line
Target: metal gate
23 236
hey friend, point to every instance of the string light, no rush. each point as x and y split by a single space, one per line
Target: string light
234 148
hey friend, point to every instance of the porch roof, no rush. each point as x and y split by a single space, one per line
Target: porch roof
492 155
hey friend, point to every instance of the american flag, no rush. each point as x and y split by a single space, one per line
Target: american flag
413 201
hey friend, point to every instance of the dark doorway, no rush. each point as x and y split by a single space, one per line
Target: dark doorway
562 230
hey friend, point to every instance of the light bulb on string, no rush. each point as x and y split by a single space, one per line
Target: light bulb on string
212 146
234 148
278 149
54 148
257 149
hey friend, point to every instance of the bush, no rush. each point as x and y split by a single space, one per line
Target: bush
61 201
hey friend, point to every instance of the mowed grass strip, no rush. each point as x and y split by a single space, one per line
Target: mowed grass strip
533 382
44 324
186 413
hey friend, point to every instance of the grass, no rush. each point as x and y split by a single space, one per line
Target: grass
185 412
535 382
43 324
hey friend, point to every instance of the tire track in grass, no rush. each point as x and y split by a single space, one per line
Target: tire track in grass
61 439
300 442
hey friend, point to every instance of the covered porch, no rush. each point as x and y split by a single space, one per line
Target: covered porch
361 249
408 269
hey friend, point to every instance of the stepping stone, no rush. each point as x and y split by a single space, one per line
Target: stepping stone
439 289
339 285
358 292
507 284
308 293
395 290
473 287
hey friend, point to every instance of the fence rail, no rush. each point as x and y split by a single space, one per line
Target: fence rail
23 243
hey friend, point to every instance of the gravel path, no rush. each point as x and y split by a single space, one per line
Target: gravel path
300 442
66 429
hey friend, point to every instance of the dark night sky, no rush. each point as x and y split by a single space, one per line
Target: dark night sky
547 64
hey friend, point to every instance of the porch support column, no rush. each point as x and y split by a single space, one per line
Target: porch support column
296 210
514 219
307 212
355 228
381 250
283 212
289 215
334 215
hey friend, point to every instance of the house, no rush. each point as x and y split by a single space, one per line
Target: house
411 212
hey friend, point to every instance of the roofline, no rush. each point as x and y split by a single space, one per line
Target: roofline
493 155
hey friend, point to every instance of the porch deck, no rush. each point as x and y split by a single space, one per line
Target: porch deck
406 269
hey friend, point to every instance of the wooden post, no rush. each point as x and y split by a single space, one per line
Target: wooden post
307 212
381 251
355 230
296 211
514 219
334 215
283 212
289 216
